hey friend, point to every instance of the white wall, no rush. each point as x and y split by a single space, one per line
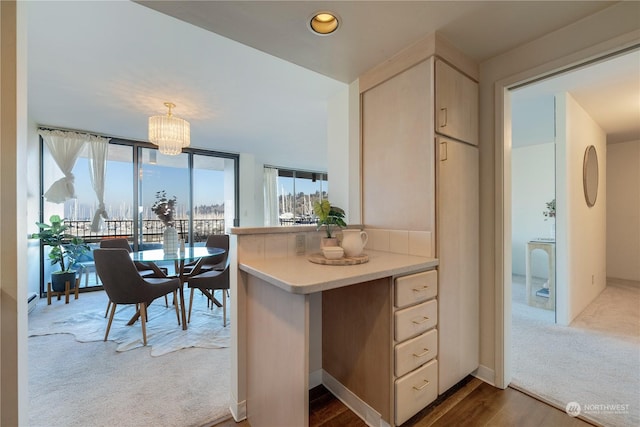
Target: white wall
532 187
623 210
581 230
343 160
251 191
337 146
343 146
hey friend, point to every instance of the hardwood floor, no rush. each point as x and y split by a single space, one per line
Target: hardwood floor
471 403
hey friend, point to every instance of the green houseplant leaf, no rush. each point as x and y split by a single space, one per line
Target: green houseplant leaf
65 248
328 216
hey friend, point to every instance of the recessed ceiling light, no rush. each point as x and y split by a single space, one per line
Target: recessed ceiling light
324 23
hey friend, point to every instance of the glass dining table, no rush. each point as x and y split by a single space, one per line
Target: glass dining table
179 258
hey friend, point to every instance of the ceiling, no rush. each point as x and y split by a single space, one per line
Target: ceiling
248 75
608 90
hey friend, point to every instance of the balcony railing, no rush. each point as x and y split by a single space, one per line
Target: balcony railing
298 221
151 229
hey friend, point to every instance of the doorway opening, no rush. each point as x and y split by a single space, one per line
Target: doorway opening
557 299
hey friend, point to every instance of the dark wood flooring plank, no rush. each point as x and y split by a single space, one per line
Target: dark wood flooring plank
324 409
474 404
476 409
432 413
344 419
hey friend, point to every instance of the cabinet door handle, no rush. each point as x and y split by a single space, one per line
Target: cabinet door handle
426 383
443 115
443 151
424 353
421 289
424 319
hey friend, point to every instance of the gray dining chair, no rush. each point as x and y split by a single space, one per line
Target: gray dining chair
145 269
208 282
124 285
214 262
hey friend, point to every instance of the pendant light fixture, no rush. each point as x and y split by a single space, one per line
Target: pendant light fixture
169 133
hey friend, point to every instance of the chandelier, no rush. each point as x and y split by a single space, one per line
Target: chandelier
169 133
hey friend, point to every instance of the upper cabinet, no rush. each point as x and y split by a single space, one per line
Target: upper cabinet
398 181
456 104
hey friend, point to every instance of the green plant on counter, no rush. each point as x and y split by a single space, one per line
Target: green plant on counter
328 216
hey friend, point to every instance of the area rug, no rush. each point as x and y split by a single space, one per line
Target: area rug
594 362
85 320
96 383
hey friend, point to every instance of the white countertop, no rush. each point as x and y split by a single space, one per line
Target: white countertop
300 276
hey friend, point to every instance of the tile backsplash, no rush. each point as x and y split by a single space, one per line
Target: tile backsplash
279 245
418 243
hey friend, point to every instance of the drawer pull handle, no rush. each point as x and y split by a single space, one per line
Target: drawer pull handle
424 353
426 383
421 289
424 319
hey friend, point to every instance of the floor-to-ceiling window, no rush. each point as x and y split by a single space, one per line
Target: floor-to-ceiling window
204 184
213 195
162 176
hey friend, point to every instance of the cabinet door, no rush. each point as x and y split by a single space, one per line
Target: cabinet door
458 271
456 104
398 167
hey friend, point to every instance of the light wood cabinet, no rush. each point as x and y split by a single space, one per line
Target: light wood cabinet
458 252
416 344
378 351
416 390
456 104
397 152
356 341
420 172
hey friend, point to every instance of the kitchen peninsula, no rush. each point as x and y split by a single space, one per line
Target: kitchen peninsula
308 323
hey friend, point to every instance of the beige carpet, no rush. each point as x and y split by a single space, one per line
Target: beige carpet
594 362
96 383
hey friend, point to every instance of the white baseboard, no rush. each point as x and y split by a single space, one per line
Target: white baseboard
485 374
315 378
32 301
353 402
238 409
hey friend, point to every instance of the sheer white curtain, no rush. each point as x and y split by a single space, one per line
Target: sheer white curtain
65 148
271 217
98 150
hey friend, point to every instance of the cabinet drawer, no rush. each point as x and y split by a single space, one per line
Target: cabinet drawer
415 352
416 288
416 390
414 320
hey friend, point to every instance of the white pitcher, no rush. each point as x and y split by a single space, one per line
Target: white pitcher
353 242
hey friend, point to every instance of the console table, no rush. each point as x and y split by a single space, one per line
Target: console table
549 246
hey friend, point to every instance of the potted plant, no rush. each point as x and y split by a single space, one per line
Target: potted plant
328 216
65 250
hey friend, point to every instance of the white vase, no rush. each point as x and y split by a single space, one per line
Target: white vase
170 240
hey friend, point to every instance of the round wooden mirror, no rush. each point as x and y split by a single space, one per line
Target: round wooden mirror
590 175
